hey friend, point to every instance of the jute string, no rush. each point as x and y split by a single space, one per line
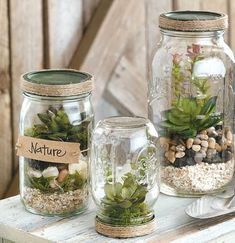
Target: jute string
194 25
57 90
125 231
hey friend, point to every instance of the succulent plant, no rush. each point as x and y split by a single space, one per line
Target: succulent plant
124 202
56 126
189 116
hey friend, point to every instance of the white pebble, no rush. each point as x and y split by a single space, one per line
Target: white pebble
80 167
204 144
50 172
180 154
180 148
196 148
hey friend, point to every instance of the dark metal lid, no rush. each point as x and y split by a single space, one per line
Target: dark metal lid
57 82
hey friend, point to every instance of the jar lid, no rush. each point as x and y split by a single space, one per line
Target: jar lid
57 82
193 21
125 122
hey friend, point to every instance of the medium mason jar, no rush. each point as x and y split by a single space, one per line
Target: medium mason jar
124 175
191 103
55 121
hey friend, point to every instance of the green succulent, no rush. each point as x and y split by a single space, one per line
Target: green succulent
56 126
125 201
189 116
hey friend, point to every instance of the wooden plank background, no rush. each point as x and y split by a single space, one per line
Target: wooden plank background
113 39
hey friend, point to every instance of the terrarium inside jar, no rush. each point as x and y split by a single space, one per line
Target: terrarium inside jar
124 176
53 143
191 103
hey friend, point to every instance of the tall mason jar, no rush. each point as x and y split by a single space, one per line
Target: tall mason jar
191 102
55 122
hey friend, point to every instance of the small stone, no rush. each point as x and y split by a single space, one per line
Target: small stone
180 148
204 132
172 148
170 155
210 153
197 141
226 155
203 149
229 135
196 148
210 130
202 136
189 143
62 175
181 162
180 154
189 153
218 127
204 144
211 143
198 157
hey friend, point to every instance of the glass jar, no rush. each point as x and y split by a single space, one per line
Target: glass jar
191 103
55 121
124 174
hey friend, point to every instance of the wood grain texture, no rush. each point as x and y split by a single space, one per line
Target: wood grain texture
65 29
127 90
5 107
89 7
172 225
231 7
26 49
109 44
187 5
153 9
13 188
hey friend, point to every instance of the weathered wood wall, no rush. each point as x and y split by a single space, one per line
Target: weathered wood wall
112 39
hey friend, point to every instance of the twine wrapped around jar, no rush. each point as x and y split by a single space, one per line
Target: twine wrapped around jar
193 23
66 89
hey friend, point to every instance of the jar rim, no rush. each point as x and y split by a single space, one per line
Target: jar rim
125 122
193 21
57 82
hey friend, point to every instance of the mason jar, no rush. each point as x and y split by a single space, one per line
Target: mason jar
191 103
124 176
55 122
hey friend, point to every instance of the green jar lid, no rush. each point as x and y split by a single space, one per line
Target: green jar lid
193 21
57 82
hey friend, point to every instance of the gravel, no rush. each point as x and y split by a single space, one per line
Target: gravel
55 203
199 178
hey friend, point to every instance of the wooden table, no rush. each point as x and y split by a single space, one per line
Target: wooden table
173 225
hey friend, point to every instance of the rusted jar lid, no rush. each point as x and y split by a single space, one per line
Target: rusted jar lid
57 82
193 21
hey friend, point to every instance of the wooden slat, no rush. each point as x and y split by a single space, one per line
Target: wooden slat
5 101
153 9
231 6
128 89
187 5
89 7
172 225
26 48
13 188
65 28
104 53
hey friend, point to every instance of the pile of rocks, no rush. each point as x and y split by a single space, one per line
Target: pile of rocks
210 146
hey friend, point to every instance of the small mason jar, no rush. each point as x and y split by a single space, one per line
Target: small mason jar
191 103
55 122
124 176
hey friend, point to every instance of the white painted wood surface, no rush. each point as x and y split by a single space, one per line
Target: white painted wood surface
173 225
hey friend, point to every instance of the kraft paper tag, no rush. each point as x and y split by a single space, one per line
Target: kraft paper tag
47 150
